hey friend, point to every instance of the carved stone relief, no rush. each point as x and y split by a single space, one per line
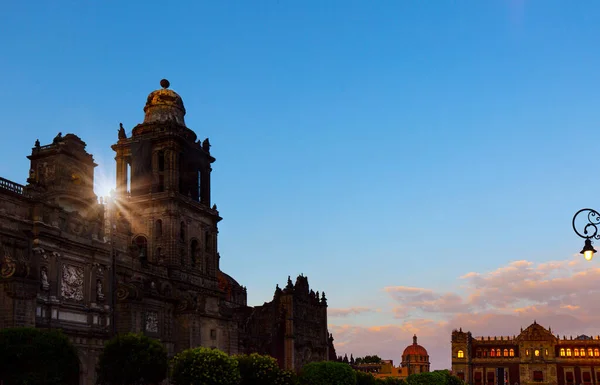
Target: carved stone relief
44 278
72 283
99 290
152 322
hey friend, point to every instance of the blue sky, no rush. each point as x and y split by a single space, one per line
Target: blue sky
366 144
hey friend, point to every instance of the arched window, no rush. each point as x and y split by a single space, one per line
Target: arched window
158 228
207 241
576 352
194 252
562 352
161 161
141 244
498 353
492 353
182 231
568 352
461 354
590 352
511 352
596 352
582 352
505 352
485 353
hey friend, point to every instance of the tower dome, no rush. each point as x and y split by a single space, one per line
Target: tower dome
415 357
164 105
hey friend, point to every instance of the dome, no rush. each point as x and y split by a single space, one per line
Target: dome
164 105
415 349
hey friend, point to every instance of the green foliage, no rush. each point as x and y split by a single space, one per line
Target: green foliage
203 366
375 359
256 369
285 377
327 373
363 378
437 377
132 359
37 356
392 381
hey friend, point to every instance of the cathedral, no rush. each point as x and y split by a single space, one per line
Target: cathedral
144 260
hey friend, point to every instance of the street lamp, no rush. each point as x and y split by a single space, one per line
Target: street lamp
590 230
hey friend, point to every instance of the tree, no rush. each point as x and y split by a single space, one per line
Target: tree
375 359
37 356
392 381
432 378
256 369
132 359
204 366
363 378
327 373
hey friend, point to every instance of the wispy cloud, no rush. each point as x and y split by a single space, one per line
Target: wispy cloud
558 294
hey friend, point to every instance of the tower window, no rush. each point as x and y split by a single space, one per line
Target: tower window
505 352
498 352
568 352
576 352
141 244
461 354
207 241
182 231
511 352
194 252
562 352
158 228
161 161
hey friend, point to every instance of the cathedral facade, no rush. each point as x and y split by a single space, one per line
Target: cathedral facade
535 356
146 260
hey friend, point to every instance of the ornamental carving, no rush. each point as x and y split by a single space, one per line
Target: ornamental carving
9 267
152 322
72 283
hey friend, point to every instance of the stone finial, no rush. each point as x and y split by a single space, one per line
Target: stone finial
164 83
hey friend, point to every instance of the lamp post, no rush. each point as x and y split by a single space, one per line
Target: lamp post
590 231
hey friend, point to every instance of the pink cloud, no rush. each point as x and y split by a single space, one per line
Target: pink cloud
557 294
332 312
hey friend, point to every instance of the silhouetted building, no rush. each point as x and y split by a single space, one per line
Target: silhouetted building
145 260
415 358
534 356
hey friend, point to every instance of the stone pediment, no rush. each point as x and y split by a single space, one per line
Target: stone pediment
536 332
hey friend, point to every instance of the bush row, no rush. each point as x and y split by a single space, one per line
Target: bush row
34 356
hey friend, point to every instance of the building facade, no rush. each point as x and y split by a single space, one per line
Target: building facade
535 356
145 260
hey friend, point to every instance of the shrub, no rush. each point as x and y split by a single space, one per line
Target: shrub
286 377
392 381
432 378
36 356
327 373
204 366
132 359
363 378
256 369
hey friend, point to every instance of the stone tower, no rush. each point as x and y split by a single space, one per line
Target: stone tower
164 220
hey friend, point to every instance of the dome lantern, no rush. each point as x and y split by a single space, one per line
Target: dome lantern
164 105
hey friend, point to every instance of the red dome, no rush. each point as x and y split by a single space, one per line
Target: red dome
415 349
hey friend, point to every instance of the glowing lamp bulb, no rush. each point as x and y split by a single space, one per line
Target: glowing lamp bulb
588 250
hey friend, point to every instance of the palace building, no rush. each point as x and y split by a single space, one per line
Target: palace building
535 356
145 260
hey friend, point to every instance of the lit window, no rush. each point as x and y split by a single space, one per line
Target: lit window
596 352
582 352
498 352
527 352
505 352
537 353
562 352
590 352
512 352
568 352
546 353
461 354
576 352
492 353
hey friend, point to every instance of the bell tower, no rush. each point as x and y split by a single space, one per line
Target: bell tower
163 188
